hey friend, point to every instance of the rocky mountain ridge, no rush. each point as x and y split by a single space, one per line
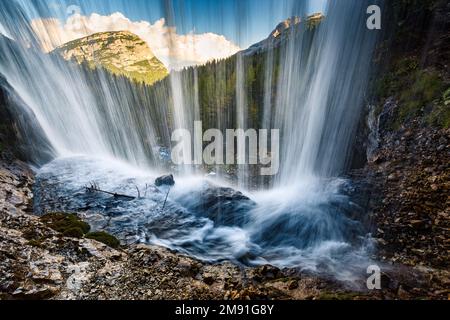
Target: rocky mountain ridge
282 30
120 52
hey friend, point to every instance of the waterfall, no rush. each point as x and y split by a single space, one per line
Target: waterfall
80 111
320 92
316 103
241 115
310 85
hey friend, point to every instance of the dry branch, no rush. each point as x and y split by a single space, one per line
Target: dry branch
93 187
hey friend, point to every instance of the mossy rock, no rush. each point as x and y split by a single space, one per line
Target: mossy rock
418 96
73 233
424 89
105 238
70 225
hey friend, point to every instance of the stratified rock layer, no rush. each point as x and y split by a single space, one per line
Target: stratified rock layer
121 53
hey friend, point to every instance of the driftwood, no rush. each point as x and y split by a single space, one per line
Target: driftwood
93 187
139 191
165 200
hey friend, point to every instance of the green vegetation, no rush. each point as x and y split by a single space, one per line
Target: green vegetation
420 92
73 233
105 238
35 243
150 77
395 80
414 78
446 97
70 225
440 117
426 87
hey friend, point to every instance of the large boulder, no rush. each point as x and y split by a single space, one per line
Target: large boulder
166 180
224 206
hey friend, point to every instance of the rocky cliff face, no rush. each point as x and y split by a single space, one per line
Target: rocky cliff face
122 53
279 35
20 135
408 163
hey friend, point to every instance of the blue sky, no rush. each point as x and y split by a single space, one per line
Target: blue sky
242 21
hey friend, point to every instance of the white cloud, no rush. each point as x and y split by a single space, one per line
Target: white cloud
174 50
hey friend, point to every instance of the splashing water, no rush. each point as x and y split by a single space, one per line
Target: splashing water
313 90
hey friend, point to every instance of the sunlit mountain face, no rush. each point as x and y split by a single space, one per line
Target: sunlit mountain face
110 82
181 33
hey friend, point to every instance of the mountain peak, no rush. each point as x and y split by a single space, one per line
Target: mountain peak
120 52
281 32
284 25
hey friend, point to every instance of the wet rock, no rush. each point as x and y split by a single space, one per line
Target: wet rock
387 113
268 272
224 206
166 180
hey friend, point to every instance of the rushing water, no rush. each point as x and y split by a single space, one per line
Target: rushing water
309 226
106 130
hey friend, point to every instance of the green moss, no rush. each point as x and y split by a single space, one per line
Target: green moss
439 116
105 238
417 94
405 66
70 225
35 243
73 233
446 97
398 78
423 91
